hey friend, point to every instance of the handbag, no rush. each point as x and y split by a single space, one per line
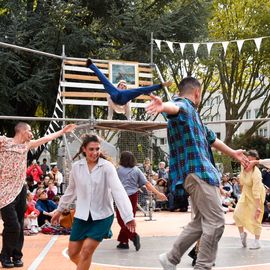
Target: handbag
66 218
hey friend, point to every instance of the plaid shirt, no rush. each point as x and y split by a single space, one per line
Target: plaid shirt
189 143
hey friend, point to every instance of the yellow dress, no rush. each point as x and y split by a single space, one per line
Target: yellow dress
244 214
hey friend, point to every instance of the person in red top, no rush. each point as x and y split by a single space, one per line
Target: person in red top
35 171
31 214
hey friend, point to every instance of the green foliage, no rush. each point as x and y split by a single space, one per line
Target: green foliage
259 143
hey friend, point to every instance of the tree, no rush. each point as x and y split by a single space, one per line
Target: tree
244 76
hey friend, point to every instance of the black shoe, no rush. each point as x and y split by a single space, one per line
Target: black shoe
89 62
122 246
18 263
7 263
136 242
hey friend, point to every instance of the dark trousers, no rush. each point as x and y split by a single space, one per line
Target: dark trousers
125 234
12 235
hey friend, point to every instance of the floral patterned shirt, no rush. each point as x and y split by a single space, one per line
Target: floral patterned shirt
13 158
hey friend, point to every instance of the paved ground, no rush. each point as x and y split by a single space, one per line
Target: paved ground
45 252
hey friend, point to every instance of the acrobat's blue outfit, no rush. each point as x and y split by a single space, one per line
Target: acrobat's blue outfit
121 97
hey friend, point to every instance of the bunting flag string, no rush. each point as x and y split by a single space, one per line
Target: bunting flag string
209 45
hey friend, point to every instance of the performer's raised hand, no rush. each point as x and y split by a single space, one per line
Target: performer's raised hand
241 157
69 128
155 106
167 84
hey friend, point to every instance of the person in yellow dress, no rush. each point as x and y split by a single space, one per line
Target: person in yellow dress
249 210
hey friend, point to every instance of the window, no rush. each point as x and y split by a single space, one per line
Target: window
263 132
248 114
256 113
162 141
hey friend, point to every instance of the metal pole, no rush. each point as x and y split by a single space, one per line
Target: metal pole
152 49
7 45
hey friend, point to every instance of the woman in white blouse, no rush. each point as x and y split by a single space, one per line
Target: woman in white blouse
94 183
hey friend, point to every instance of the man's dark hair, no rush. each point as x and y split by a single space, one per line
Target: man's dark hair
127 159
20 126
188 84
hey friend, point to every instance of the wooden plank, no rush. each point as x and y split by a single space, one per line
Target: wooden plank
145 83
145 69
82 69
81 77
84 94
146 75
98 103
95 95
82 63
82 85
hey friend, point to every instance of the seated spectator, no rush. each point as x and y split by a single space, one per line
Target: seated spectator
162 172
236 188
226 183
31 214
40 186
46 208
30 183
51 190
35 171
46 180
161 186
57 177
44 167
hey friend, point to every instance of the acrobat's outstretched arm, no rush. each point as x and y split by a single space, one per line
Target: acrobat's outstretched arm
121 97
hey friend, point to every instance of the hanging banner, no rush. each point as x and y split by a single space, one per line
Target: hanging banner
225 46
240 44
195 47
182 47
209 47
158 42
258 42
170 45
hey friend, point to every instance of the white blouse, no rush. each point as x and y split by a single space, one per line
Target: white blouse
95 192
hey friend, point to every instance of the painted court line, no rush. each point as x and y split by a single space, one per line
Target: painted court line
64 253
43 253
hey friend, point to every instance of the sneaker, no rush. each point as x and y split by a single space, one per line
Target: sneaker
163 259
18 263
34 230
136 242
7 263
244 239
255 245
122 246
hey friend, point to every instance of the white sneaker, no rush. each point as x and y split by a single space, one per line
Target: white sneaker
34 230
244 239
255 245
163 259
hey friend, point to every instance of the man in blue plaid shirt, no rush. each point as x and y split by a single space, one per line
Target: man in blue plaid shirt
191 166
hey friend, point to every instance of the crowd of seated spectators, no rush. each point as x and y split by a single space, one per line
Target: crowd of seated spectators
45 187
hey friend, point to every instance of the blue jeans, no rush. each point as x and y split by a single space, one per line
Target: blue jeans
121 97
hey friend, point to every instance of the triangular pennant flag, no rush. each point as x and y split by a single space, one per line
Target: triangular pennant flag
182 47
195 47
158 42
209 47
225 46
258 42
240 44
170 45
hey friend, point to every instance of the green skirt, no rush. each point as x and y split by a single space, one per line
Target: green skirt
94 229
